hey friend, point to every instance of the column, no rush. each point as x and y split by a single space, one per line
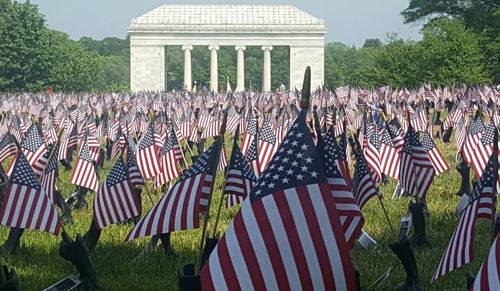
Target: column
187 66
266 80
240 70
214 74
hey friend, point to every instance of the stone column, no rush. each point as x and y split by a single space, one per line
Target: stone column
187 66
240 70
214 74
266 80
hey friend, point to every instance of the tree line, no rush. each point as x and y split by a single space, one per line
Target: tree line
460 44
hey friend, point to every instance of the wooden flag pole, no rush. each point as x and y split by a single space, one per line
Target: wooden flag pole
236 135
219 140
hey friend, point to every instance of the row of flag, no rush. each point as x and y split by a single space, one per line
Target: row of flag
293 165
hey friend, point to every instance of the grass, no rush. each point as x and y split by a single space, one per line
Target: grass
39 264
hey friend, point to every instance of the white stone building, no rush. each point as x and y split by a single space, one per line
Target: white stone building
224 25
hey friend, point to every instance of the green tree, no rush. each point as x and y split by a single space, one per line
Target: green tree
372 43
73 68
22 45
477 14
450 54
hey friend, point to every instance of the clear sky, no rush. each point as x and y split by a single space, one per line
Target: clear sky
348 21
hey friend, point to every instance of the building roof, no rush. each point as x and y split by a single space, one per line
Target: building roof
227 18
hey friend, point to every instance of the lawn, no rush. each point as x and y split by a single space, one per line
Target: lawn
119 267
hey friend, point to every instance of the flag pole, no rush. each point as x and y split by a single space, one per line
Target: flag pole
495 181
236 135
219 140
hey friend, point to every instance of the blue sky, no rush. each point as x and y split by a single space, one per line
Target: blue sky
348 21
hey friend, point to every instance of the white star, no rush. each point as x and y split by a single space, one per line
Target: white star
300 155
271 185
299 134
300 176
289 172
314 174
294 163
294 143
304 168
280 168
304 147
285 180
276 177
309 160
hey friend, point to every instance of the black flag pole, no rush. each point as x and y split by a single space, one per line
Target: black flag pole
495 182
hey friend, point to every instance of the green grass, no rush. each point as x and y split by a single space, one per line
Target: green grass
39 264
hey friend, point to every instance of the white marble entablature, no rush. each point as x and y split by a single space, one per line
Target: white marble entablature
230 18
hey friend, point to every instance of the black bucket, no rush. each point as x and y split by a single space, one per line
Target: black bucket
188 279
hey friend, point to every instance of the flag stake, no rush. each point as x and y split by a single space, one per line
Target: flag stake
220 140
217 217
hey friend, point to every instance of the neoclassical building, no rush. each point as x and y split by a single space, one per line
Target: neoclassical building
213 26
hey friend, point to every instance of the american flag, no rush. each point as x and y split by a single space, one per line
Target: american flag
233 119
488 276
438 162
474 133
351 219
418 119
372 150
416 171
84 173
390 156
267 145
7 147
483 150
34 148
49 176
460 249
115 201
252 156
168 162
180 207
240 178
147 154
287 234
363 184
25 204
133 170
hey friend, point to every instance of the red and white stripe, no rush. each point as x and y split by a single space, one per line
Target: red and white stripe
178 209
262 251
488 276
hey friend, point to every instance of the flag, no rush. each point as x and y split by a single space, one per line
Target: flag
267 145
115 202
180 207
488 276
438 162
49 176
7 147
473 136
350 216
287 233
240 178
147 154
460 249
363 184
168 162
135 175
483 150
34 148
390 157
25 204
372 150
416 171
84 173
